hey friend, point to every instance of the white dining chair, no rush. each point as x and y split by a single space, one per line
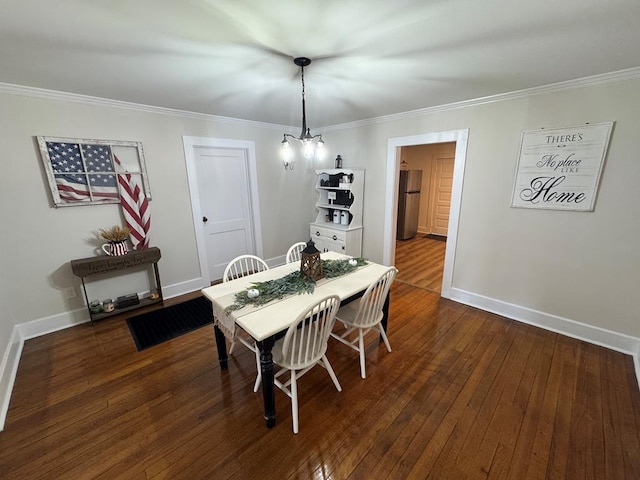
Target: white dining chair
237 268
303 347
242 266
365 315
295 251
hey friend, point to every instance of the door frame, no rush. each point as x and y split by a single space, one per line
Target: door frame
190 144
391 196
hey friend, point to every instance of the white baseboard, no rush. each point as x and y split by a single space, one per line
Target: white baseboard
564 326
8 371
599 336
181 288
43 326
276 261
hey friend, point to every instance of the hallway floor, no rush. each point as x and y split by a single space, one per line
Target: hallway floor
420 262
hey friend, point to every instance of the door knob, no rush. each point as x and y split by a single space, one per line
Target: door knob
205 219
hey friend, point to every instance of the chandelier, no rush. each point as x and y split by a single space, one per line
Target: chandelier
312 145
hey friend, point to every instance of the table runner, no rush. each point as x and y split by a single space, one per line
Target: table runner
226 321
225 296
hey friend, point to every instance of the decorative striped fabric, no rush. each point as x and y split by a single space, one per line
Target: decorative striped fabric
135 208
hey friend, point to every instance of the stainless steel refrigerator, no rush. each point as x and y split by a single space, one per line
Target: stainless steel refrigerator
408 203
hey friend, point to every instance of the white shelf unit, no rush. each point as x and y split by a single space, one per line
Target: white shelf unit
335 195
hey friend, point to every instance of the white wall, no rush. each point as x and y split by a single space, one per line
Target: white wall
38 240
579 266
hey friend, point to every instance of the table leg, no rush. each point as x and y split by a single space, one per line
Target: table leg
385 312
221 343
268 391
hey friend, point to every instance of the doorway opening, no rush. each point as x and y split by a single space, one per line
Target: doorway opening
424 202
394 159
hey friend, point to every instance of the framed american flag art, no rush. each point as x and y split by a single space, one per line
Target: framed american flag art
88 172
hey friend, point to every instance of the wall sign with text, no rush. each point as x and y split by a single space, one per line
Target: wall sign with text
560 168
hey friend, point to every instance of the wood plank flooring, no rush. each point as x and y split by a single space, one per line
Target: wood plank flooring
465 394
420 262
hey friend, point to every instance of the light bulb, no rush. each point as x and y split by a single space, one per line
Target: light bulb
308 149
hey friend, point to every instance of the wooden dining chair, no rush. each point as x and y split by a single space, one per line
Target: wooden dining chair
295 252
365 315
303 347
237 268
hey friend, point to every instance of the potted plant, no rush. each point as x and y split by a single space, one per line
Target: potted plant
116 237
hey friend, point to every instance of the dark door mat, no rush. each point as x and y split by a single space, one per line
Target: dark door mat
441 238
160 325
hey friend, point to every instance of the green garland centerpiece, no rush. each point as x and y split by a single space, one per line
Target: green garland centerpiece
292 284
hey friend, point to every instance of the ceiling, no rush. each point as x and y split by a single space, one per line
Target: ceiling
370 58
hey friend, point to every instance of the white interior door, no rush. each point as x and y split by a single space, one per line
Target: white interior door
441 195
225 202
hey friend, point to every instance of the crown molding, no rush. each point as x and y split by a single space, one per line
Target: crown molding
35 92
620 75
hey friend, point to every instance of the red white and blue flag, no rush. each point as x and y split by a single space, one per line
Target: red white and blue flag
93 173
135 208
83 176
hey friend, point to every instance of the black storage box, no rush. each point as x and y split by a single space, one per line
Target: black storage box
127 300
334 180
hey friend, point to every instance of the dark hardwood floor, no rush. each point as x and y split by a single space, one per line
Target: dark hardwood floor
465 394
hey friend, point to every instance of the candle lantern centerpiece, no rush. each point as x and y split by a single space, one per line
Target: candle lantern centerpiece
310 262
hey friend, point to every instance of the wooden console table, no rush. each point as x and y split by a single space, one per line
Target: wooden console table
85 267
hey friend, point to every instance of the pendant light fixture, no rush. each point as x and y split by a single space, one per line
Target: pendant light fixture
312 145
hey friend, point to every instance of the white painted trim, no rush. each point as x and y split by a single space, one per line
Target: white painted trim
25 331
190 143
391 197
276 261
564 326
620 75
8 371
181 288
35 328
53 323
45 94
42 326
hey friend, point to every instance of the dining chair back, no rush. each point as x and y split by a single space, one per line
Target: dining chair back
237 268
366 315
242 266
303 347
295 252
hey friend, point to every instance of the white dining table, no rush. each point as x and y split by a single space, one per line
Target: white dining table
265 322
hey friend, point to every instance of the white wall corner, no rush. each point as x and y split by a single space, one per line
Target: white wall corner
564 326
53 323
8 371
